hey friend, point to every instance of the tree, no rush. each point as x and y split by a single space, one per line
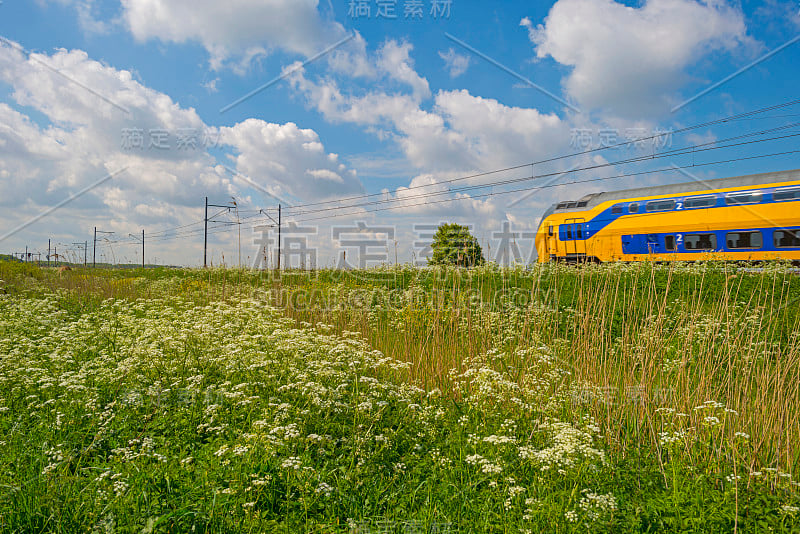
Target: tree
454 245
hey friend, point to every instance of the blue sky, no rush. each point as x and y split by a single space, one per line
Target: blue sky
403 102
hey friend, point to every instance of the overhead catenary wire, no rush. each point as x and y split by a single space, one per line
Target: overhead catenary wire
529 188
396 202
628 142
547 186
403 201
677 152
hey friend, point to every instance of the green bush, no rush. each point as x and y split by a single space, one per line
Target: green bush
454 245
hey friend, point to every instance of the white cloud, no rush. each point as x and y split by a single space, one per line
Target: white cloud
500 135
425 192
286 159
457 64
211 85
462 133
325 174
352 59
77 136
234 28
394 59
459 134
631 61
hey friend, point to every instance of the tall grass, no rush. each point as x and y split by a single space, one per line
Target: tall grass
636 337
670 386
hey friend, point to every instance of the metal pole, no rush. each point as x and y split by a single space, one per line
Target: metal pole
205 237
94 249
85 249
142 248
26 253
48 253
279 237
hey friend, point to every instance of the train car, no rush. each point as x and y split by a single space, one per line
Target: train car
754 217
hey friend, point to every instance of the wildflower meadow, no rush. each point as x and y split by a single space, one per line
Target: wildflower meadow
610 398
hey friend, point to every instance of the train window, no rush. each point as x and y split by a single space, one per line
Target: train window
786 194
786 238
583 203
669 243
550 230
744 240
751 197
562 205
633 208
578 231
660 205
571 204
700 202
700 241
569 232
616 209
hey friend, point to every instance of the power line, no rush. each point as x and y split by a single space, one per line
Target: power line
534 187
396 202
401 203
163 234
693 150
674 153
498 193
740 116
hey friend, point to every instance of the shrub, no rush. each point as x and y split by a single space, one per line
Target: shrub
454 245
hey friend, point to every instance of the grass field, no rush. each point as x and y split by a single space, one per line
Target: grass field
613 398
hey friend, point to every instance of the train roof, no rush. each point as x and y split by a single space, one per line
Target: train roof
593 199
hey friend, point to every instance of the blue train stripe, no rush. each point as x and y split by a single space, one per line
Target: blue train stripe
656 243
585 230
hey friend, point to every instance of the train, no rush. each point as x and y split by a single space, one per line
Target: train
744 218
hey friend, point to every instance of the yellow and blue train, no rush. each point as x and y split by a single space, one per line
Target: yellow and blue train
754 217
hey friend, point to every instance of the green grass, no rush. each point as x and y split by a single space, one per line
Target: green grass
617 398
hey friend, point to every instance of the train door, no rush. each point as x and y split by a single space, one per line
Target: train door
551 241
576 245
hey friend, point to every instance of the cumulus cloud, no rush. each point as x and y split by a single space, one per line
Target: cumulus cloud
291 158
234 28
394 59
457 135
461 133
631 61
500 135
77 136
456 64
